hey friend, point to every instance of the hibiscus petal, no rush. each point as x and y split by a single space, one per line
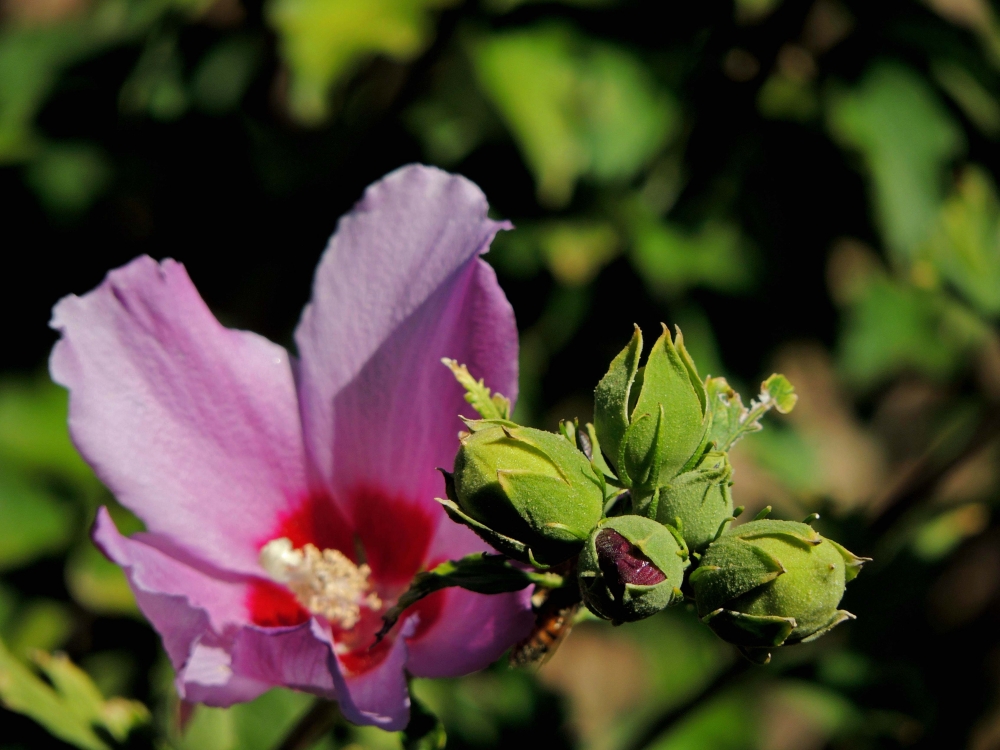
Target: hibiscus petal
398 288
219 659
471 632
193 426
379 695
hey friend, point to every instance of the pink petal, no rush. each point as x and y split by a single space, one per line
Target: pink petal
398 288
471 632
193 426
380 695
219 658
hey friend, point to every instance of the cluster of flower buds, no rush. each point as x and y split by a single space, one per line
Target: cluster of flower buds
639 503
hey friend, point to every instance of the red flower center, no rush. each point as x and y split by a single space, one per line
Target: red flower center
391 534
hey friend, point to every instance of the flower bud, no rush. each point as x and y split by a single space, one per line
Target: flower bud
768 583
631 568
530 494
697 502
651 420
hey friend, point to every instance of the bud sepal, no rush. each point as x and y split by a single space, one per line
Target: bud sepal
697 502
651 420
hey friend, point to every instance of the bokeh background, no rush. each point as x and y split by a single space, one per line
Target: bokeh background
807 186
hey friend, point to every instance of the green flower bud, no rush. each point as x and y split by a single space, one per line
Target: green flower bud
631 568
699 501
769 583
651 420
530 494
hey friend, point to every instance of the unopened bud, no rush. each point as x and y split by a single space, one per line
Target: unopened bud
699 501
769 583
529 493
651 420
631 568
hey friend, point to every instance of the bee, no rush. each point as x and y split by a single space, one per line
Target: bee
554 619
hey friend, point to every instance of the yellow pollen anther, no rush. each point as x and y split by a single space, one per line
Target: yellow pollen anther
325 582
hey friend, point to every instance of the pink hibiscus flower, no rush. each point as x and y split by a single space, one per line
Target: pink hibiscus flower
289 502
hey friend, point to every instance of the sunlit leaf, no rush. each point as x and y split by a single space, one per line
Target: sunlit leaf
965 244
322 41
575 107
731 420
38 624
895 327
906 139
71 707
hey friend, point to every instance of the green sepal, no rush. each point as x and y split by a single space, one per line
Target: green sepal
757 631
675 401
611 400
478 572
506 545
744 567
759 656
841 615
701 498
495 406
852 563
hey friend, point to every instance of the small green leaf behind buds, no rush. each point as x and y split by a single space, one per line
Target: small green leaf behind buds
651 420
530 494
697 502
730 420
769 583
631 568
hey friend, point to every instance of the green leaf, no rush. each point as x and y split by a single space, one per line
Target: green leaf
33 523
322 41
893 327
731 420
575 107
965 245
425 730
478 395
907 138
72 707
479 572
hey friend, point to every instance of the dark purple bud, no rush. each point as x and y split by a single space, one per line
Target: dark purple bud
622 562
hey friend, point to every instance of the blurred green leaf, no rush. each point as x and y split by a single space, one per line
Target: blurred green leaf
893 327
97 584
789 458
726 722
936 538
574 250
671 259
156 84
978 104
224 74
72 707
906 139
322 41
33 56
69 177
965 245
33 431
38 624
575 107
782 98
828 712
33 523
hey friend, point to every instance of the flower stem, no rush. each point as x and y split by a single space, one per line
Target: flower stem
316 722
